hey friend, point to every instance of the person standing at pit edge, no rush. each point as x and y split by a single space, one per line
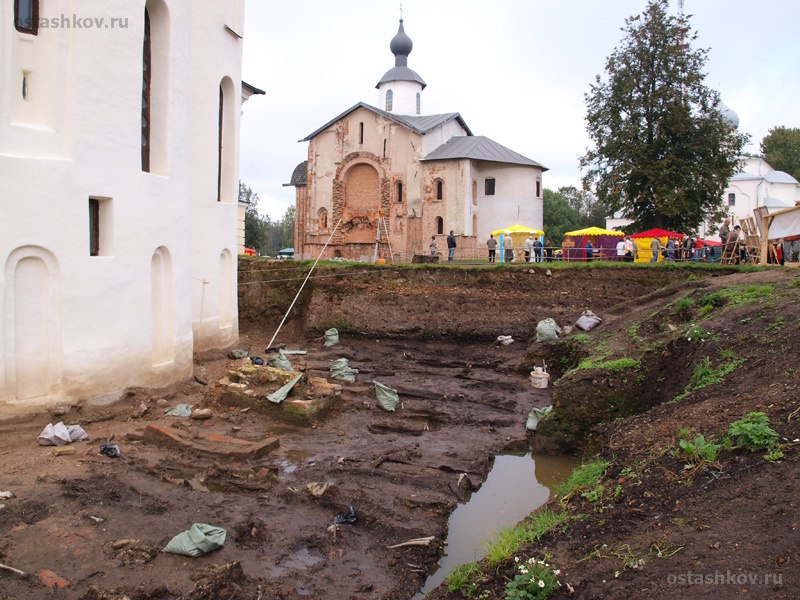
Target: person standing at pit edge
508 246
451 246
528 249
491 243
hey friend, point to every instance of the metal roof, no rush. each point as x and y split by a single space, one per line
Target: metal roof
479 147
299 175
421 125
770 177
401 74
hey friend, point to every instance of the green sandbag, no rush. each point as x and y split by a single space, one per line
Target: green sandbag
279 361
547 330
536 415
197 541
341 370
280 394
331 337
387 397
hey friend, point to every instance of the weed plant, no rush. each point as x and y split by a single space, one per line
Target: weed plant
752 432
509 539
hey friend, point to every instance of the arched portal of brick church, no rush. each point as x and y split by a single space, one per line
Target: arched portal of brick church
361 203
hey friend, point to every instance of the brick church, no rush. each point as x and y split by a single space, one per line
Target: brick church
395 175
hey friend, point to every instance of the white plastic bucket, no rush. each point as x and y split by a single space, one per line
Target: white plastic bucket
539 379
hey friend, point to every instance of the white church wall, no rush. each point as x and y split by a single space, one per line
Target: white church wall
90 326
404 97
514 201
435 138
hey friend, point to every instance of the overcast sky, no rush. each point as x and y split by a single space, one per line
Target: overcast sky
516 70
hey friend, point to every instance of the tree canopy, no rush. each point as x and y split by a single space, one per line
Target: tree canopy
663 151
559 216
781 149
262 233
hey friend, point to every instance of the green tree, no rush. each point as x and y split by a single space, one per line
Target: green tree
663 152
590 211
255 229
781 149
284 230
559 216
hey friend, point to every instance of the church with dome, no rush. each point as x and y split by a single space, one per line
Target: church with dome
391 173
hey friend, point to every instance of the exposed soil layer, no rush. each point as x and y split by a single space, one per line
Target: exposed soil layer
97 525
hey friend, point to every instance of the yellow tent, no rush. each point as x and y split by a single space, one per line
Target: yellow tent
519 234
518 229
593 231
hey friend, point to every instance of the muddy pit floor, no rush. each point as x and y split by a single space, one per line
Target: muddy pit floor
96 525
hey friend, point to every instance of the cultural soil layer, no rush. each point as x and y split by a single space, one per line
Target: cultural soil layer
275 477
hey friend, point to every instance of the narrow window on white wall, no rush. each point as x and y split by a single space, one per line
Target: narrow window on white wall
389 95
361 132
418 102
439 189
146 79
101 233
94 227
399 192
538 188
26 16
731 199
25 85
220 125
489 186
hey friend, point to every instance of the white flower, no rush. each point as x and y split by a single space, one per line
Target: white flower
541 583
516 559
557 571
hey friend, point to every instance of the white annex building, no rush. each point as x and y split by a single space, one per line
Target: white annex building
119 135
758 184
416 176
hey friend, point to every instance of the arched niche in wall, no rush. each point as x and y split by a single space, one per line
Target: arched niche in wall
31 325
163 307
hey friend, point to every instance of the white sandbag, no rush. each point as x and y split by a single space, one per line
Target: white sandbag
588 320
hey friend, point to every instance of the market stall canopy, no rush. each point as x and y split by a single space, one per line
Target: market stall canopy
710 243
518 229
658 233
594 231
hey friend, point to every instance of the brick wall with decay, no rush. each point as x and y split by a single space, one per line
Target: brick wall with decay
365 165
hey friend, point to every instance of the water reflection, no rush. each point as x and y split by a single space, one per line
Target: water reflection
515 486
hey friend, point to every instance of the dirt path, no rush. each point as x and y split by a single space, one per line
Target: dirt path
70 516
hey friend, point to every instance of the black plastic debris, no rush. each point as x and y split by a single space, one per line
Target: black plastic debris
110 450
347 518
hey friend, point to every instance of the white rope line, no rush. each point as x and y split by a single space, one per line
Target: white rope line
330 237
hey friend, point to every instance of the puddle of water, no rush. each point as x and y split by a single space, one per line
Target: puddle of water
515 486
302 559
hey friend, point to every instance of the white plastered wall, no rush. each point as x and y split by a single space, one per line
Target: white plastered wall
106 316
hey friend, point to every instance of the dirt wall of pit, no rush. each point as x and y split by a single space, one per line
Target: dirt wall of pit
438 301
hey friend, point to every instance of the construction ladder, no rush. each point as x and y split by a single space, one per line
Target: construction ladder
382 225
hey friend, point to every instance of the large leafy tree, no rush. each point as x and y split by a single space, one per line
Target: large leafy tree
781 149
559 216
256 228
591 212
663 152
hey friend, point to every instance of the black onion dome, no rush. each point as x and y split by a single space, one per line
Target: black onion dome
401 44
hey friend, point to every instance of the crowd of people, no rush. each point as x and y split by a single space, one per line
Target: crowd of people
689 248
